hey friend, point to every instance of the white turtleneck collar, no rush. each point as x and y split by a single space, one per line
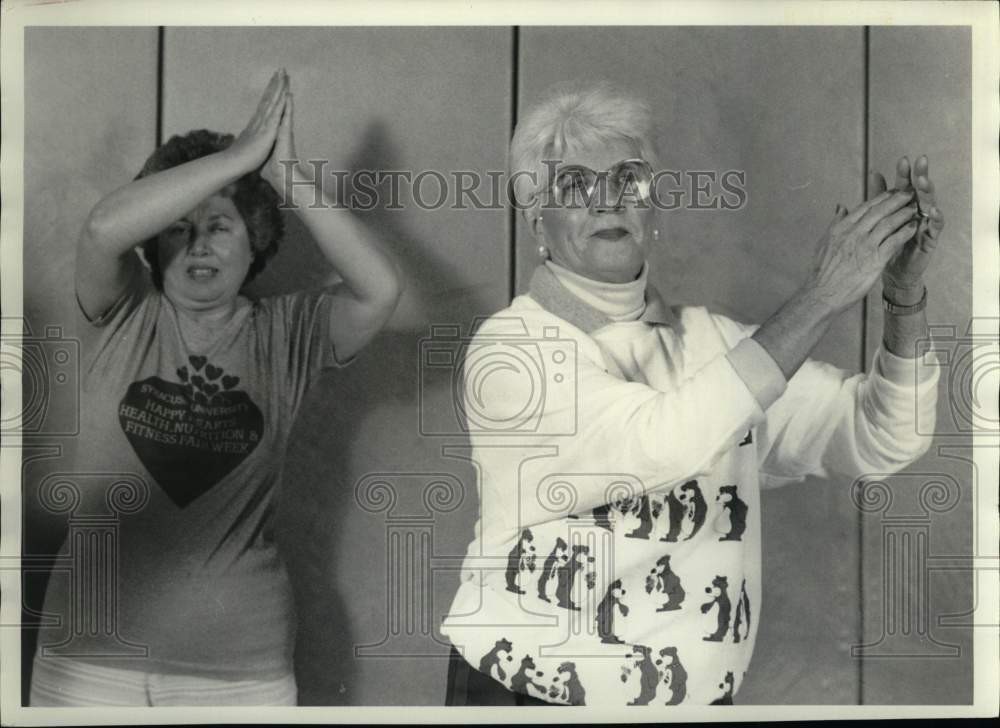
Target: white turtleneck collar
617 301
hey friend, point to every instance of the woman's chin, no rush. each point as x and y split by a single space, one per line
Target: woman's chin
199 297
617 270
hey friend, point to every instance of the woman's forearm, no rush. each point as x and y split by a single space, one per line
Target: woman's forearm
792 332
146 206
345 241
901 331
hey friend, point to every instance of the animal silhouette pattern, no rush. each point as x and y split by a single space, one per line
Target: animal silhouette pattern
726 686
612 601
556 560
720 600
641 662
643 511
673 676
524 680
498 658
620 504
566 686
664 581
602 516
736 510
685 506
741 623
568 574
520 562
650 674
687 511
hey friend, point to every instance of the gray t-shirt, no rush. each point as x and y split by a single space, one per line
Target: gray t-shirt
199 578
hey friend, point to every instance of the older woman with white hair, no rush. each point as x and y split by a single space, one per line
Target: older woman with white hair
617 555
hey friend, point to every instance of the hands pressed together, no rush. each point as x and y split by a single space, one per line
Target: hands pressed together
267 138
903 276
370 284
892 235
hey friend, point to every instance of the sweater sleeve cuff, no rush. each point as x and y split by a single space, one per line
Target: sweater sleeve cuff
904 371
759 372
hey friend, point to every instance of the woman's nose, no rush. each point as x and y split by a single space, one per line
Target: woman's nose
601 207
606 200
198 244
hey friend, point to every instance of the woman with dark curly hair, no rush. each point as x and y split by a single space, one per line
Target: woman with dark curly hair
190 389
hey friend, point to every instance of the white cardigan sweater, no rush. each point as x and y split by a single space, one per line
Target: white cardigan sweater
617 555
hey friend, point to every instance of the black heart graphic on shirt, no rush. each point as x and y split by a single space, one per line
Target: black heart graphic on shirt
229 382
212 372
197 362
187 445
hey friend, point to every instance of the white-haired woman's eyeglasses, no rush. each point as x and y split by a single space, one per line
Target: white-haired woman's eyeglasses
574 185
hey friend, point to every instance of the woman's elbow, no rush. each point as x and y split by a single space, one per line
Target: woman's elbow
95 227
388 296
380 304
98 233
890 454
395 288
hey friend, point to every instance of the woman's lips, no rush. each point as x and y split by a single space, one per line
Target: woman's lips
616 233
202 272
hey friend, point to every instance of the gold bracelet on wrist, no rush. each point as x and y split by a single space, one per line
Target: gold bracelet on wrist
898 310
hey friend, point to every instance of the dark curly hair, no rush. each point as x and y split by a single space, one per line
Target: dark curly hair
253 196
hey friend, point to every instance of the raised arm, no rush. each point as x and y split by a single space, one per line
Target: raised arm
371 281
598 428
144 207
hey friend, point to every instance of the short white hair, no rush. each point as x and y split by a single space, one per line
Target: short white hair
573 117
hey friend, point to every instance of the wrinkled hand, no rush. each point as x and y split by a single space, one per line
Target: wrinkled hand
858 245
903 276
284 144
253 145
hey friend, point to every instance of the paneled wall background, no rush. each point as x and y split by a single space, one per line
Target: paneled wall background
803 111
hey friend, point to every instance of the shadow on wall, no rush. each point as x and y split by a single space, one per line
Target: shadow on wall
355 421
434 284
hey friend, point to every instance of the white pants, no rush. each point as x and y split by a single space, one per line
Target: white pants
63 682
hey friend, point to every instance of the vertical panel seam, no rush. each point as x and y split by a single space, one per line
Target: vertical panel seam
160 31
865 164
515 50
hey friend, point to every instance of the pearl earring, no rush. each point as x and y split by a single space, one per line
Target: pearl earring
543 252
656 233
